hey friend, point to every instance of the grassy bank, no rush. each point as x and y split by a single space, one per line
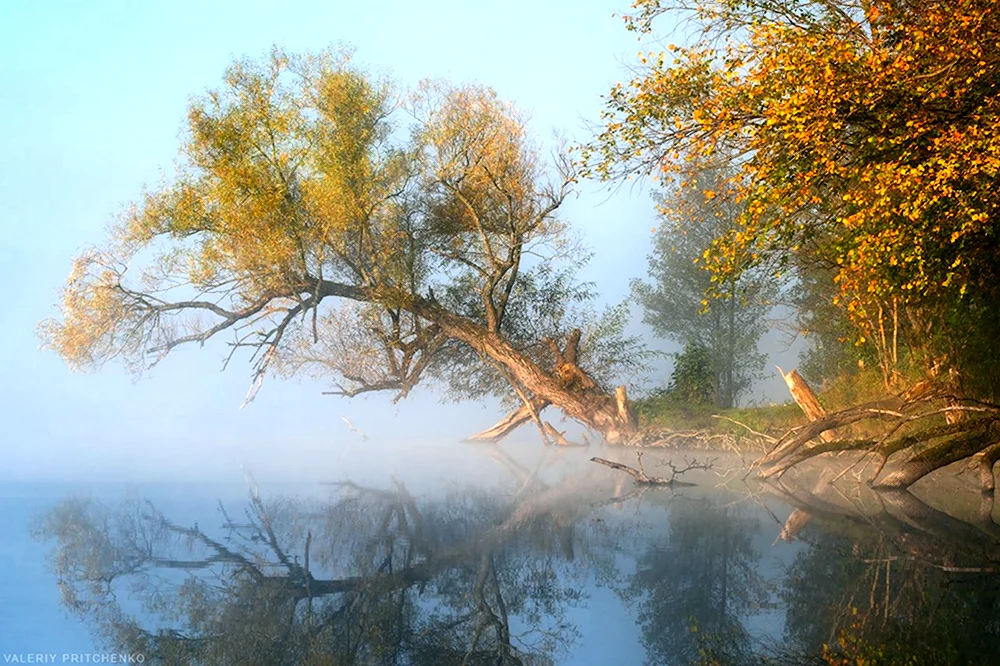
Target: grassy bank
774 420
770 419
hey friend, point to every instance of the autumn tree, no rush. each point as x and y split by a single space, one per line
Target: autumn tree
319 233
863 139
676 301
864 132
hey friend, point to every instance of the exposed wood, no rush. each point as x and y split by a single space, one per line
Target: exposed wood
509 423
624 411
806 399
578 400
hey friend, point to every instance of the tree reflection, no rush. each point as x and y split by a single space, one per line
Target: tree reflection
904 584
697 584
369 577
377 576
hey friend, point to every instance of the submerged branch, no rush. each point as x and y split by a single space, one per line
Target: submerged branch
641 478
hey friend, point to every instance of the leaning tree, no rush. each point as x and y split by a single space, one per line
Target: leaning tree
319 233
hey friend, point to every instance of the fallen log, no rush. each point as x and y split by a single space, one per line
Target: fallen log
930 448
981 436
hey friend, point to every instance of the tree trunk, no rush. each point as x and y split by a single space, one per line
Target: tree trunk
565 386
942 455
805 399
976 440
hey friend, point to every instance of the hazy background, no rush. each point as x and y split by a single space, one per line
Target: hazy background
94 96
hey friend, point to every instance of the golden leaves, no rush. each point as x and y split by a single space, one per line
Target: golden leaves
882 141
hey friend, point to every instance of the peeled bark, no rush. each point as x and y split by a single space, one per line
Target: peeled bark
806 399
621 403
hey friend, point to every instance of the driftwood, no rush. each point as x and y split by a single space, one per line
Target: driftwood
918 425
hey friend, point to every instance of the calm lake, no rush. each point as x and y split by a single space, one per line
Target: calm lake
530 556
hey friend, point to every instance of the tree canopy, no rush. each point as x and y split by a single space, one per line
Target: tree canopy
865 136
322 234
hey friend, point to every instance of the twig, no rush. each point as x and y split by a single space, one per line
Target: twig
642 478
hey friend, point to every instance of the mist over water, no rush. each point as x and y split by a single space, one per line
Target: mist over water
513 554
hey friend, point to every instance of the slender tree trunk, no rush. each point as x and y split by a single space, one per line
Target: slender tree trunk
731 356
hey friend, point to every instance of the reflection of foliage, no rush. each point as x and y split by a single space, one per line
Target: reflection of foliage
872 607
894 595
377 576
369 578
694 591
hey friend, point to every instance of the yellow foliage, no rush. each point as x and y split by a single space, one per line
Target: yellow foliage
294 185
868 135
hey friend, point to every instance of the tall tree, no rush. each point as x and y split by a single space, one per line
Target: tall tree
305 223
865 135
677 304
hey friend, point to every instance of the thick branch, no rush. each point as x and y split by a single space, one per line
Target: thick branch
511 422
983 435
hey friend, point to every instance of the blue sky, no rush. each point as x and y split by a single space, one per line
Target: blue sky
94 96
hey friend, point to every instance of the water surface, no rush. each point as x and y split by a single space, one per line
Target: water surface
530 558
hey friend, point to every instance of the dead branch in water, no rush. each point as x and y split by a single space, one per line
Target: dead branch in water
642 478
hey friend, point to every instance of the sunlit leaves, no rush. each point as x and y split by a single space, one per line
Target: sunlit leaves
304 178
866 136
